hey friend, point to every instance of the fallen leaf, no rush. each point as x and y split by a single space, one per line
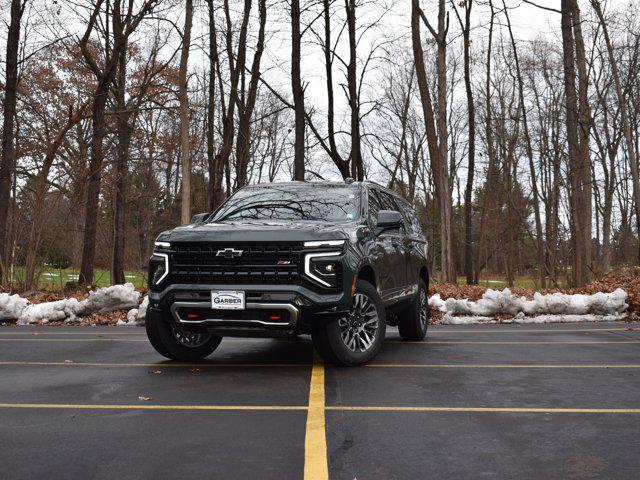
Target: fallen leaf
142 397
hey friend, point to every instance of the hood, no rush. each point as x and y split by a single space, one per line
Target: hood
267 231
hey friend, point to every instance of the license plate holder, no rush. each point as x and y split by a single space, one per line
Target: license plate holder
227 300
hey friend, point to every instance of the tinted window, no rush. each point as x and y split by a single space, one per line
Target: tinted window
388 203
292 202
411 219
374 205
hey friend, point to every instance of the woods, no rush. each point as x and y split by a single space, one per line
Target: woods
512 127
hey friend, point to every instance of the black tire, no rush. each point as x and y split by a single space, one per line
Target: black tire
414 321
164 339
328 337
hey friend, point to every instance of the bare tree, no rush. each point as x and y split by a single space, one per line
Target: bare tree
123 25
437 142
183 98
577 125
298 92
8 159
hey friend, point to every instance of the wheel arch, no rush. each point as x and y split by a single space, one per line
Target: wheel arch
424 275
367 273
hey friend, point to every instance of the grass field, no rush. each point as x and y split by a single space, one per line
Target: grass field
55 279
520 282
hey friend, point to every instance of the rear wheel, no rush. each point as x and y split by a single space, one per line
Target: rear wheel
356 337
177 343
413 322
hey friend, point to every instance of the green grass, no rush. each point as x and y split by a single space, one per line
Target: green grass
520 282
55 279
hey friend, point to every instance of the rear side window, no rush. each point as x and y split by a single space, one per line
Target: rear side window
388 203
410 219
375 205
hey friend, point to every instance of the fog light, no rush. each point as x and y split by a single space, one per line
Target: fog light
275 318
193 315
329 268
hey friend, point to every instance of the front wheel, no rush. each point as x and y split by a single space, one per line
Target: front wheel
177 343
356 337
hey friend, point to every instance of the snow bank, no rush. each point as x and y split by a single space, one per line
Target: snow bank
11 306
555 307
494 302
116 297
451 320
106 299
67 310
136 316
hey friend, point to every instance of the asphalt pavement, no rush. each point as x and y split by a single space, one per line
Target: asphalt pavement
491 401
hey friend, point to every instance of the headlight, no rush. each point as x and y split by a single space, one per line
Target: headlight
158 268
162 245
323 243
321 269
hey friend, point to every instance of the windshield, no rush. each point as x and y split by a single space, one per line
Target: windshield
329 203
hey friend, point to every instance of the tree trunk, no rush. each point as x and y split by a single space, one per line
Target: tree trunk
490 151
357 170
183 97
93 182
342 165
122 160
584 135
211 106
436 142
8 160
529 149
468 192
246 112
298 92
624 113
571 120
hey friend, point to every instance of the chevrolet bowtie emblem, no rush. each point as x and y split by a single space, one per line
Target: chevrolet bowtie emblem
228 253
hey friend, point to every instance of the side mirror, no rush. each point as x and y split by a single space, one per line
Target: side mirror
200 218
389 219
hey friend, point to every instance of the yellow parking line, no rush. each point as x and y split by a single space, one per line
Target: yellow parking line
152 407
143 338
523 342
467 365
315 442
482 409
314 458
36 333
72 340
157 365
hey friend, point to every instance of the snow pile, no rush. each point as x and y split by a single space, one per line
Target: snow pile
11 306
67 310
562 304
106 299
555 307
116 297
136 316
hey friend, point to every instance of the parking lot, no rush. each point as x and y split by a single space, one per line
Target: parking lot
506 401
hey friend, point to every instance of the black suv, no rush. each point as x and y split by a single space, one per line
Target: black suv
339 261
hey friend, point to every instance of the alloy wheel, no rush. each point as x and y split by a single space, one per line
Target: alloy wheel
424 307
359 328
188 338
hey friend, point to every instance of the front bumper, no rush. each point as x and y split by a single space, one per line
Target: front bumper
300 307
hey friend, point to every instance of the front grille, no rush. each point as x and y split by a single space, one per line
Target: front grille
259 263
